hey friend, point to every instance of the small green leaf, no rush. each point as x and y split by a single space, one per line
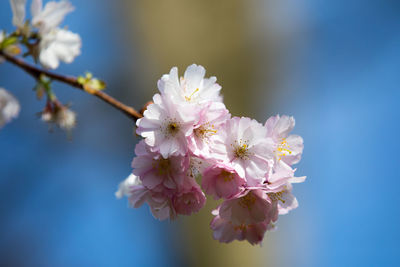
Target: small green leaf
9 41
90 84
97 84
81 80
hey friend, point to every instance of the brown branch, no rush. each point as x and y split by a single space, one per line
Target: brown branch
72 81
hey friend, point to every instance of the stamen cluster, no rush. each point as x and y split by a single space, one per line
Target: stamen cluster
190 139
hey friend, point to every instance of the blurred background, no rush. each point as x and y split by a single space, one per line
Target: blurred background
333 65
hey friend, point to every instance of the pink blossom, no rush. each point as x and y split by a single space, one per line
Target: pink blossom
160 204
165 126
222 181
226 231
192 88
248 149
285 200
189 135
190 200
288 148
155 170
249 207
281 184
211 120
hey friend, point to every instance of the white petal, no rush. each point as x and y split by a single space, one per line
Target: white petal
18 10
194 74
52 15
124 186
36 7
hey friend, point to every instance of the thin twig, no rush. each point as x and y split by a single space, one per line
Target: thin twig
72 81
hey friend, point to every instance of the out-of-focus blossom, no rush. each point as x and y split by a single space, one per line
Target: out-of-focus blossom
55 44
9 107
166 126
160 204
246 217
249 207
59 45
59 115
190 200
49 18
225 231
124 188
18 10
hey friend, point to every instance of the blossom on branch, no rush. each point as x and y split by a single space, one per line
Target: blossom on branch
58 45
59 114
54 44
190 138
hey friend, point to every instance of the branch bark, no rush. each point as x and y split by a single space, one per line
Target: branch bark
72 81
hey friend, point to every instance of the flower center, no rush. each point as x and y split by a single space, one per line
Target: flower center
240 227
205 131
241 149
162 166
171 128
278 196
189 98
247 201
226 176
283 149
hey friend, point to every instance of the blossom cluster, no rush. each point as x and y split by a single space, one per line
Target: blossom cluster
193 146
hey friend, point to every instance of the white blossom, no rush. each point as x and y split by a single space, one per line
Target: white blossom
61 116
9 107
56 44
59 45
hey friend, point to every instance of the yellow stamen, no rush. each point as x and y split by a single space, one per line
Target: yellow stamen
283 149
189 98
277 196
247 201
226 176
205 131
242 151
